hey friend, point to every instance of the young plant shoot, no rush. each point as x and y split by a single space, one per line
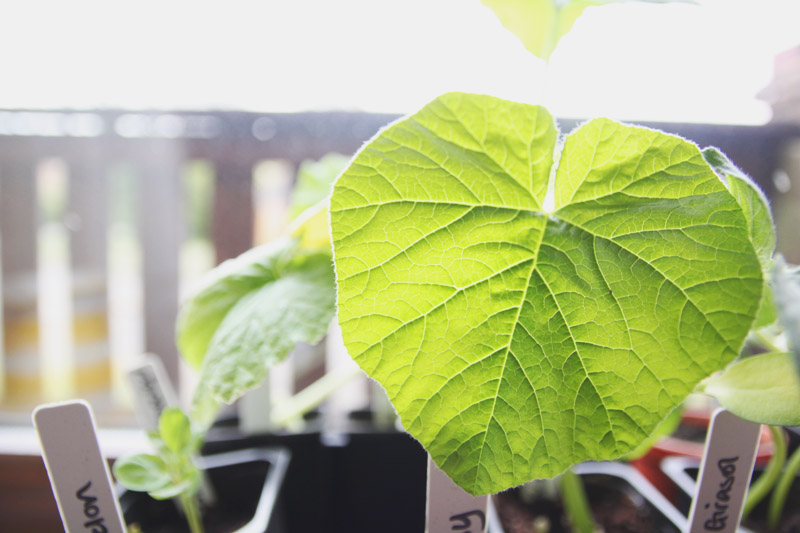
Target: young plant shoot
171 473
531 300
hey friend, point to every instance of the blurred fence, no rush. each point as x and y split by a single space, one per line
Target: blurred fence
104 216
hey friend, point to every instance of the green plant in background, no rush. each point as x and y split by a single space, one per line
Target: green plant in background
247 315
531 300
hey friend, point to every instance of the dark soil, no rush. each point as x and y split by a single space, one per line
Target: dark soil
616 506
790 519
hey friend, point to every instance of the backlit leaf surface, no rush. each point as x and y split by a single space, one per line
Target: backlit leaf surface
514 340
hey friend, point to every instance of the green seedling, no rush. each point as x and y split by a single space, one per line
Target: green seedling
170 473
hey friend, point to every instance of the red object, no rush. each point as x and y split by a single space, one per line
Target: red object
650 464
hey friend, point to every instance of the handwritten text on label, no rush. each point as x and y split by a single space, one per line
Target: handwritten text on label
719 516
463 521
91 510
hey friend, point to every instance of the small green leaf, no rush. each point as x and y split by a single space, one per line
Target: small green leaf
141 472
295 304
763 388
515 339
187 486
175 429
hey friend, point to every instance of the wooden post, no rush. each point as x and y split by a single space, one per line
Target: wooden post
161 231
87 219
232 228
18 225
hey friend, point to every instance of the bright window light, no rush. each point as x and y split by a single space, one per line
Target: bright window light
634 61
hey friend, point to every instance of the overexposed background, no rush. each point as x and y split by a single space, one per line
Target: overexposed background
634 61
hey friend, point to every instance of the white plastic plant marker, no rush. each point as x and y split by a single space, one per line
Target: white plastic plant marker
77 470
450 508
725 472
152 392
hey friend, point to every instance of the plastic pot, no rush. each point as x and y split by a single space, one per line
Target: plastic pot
367 480
622 500
247 485
358 481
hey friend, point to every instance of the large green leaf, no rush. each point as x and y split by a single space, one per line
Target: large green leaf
514 341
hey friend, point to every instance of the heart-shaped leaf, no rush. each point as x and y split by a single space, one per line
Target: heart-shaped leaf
514 340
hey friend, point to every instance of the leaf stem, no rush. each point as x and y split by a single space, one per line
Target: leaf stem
575 502
761 487
766 341
313 395
192 511
778 499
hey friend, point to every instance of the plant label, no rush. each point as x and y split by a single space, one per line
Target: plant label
450 508
152 392
724 473
77 470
